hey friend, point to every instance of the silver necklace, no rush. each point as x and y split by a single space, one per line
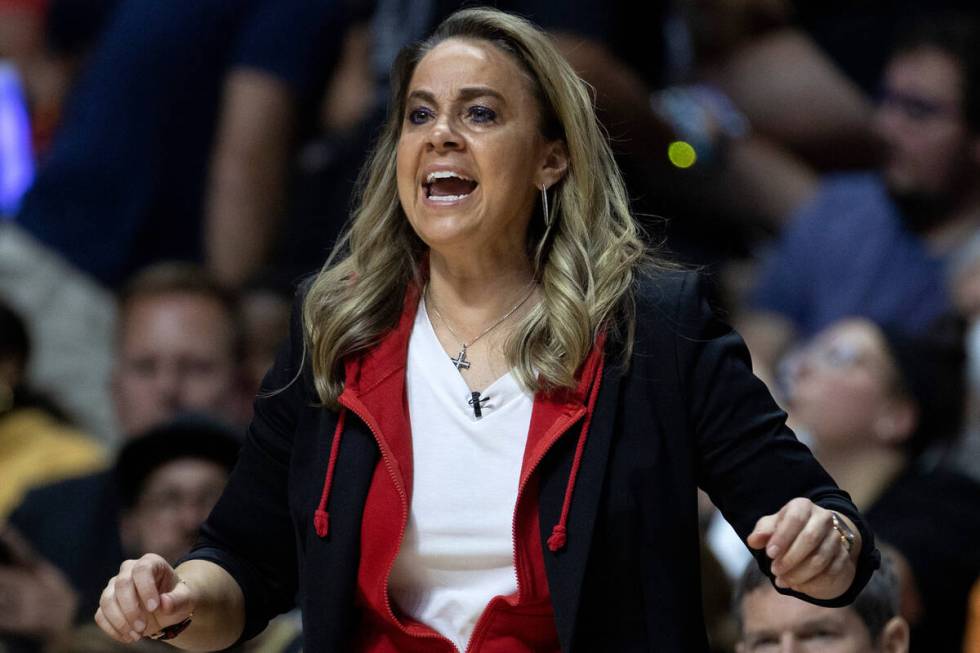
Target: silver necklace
460 360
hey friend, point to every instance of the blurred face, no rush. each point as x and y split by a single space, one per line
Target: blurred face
265 320
842 384
920 121
774 623
175 354
470 155
176 499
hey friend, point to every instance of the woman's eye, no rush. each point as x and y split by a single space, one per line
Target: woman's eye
481 114
418 116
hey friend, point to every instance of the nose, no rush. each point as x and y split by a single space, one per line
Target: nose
790 644
167 384
443 135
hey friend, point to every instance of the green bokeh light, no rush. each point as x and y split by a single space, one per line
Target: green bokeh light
682 154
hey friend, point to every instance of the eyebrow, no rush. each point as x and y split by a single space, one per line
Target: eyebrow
820 622
465 93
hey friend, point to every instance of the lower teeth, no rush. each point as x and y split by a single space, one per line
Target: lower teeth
447 198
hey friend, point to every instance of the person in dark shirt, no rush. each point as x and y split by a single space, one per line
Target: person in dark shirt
177 351
872 401
878 245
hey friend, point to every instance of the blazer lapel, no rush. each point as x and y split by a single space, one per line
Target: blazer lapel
566 568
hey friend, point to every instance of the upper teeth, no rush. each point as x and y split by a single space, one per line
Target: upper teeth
444 174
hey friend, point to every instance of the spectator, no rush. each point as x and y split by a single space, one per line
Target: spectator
178 350
174 145
36 446
876 244
264 308
169 479
871 400
771 622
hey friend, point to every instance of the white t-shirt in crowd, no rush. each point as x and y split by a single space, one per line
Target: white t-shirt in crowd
458 552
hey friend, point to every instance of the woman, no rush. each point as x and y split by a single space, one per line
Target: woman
488 426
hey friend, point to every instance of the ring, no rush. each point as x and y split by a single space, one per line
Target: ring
843 531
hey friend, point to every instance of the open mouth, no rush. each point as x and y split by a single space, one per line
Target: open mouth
448 186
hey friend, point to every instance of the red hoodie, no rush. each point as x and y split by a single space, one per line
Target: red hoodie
375 393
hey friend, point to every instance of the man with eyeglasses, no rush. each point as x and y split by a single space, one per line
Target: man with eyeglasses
878 244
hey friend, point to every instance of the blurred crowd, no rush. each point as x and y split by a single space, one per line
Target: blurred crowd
170 171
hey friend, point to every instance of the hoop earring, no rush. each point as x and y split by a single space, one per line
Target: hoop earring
544 206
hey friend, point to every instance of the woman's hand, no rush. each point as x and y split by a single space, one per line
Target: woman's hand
807 552
144 598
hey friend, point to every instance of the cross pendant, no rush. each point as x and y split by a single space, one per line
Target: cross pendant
460 361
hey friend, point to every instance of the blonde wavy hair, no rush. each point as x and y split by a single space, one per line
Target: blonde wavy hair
586 261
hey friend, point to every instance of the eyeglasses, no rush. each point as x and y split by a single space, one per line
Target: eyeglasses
842 355
836 354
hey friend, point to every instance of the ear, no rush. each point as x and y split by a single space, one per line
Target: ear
897 422
894 637
554 164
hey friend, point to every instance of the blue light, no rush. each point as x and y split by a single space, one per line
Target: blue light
16 157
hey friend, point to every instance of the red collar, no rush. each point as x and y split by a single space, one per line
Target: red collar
375 390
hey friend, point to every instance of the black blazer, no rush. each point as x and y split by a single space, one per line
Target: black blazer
686 413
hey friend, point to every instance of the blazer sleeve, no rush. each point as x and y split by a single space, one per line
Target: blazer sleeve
748 461
249 533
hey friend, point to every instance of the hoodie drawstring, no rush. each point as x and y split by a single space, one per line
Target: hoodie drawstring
321 518
559 534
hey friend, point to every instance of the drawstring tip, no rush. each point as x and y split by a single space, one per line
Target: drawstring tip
558 538
321 522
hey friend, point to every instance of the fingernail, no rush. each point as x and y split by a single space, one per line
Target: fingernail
772 551
133 634
151 605
139 625
781 583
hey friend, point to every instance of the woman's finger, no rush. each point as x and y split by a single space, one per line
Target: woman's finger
114 615
128 601
813 534
815 564
108 628
147 579
842 559
763 530
791 520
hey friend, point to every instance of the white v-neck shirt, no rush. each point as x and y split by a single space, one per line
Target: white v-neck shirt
458 552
